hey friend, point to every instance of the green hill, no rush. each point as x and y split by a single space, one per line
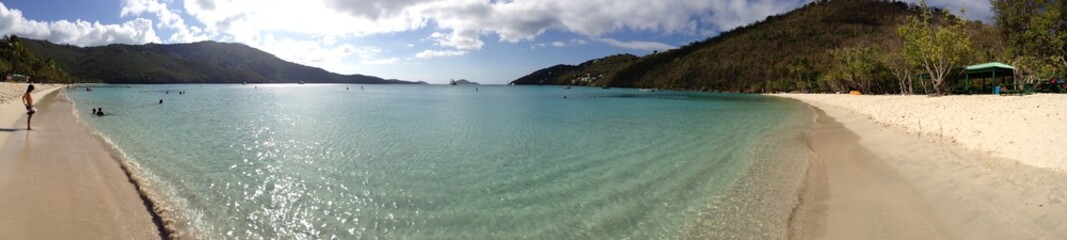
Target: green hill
788 52
202 62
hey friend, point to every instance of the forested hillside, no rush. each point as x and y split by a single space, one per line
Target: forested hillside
202 62
16 59
794 51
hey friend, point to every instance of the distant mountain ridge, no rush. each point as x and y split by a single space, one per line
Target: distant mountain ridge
787 52
201 62
462 82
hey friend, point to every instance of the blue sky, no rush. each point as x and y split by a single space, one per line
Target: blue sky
488 41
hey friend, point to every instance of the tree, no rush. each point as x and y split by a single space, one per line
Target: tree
936 49
899 67
856 65
5 66
48 71
16 58
1036 35
1062 36
802 70
17 55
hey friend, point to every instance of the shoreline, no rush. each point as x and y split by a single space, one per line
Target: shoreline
761 203
161 215
884 182
12 112
60 181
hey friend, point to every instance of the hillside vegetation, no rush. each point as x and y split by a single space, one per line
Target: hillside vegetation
15 60
202 62
794 51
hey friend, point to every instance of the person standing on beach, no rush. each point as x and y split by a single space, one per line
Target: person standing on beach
27 100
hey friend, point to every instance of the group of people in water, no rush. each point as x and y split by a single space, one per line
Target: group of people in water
98 111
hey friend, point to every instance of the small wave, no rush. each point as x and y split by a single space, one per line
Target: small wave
163 216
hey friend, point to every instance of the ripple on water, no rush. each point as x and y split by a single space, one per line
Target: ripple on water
315 161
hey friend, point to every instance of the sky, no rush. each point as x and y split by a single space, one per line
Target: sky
487 41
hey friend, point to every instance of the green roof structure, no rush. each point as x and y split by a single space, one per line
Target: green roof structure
991 71
991 68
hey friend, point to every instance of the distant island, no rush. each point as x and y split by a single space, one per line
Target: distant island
201 62
461 82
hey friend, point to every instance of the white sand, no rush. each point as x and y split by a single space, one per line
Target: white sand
61 182
11 108
876 181
1029 129
11 92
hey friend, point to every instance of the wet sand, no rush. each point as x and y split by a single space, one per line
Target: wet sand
870 181
59 181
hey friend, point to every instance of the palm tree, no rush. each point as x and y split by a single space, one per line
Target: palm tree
12 49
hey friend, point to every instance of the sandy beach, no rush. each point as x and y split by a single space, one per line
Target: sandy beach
11 109
878 170
1029 129
878 174
59 181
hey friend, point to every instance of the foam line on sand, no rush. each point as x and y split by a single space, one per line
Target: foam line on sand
59 181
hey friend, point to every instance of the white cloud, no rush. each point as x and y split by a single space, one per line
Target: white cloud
427 54
373 9
466 39
461 24
168 18
381 61
314 53
246 19
639 45
572 42
78 32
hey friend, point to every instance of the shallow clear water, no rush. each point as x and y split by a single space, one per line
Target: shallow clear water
419 161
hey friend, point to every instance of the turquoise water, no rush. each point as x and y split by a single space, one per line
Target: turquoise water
441 162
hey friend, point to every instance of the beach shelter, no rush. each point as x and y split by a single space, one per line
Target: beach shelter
981 72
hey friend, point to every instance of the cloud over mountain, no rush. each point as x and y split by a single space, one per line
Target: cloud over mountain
77 32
